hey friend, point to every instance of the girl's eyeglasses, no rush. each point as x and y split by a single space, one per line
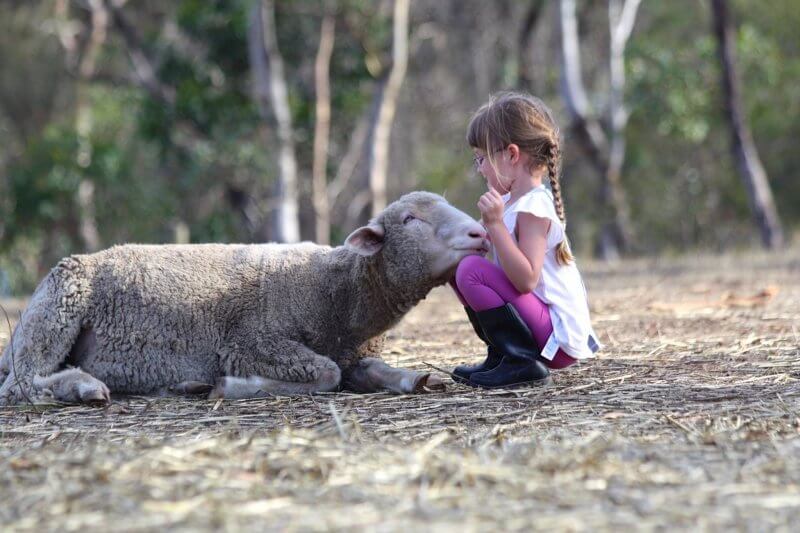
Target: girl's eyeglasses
478 160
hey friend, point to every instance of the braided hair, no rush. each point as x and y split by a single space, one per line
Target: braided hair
563 252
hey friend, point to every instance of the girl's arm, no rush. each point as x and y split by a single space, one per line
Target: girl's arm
522 264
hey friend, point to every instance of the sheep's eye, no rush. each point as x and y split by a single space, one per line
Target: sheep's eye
408 219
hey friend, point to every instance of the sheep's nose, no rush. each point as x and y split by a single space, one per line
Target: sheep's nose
477 233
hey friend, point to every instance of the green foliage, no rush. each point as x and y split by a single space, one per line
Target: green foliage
683 187
44 183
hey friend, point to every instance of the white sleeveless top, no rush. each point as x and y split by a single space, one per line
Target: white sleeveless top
560 286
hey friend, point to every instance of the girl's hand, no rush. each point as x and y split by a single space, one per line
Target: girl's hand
491 207
482 223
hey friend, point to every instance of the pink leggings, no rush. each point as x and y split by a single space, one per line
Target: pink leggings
482 285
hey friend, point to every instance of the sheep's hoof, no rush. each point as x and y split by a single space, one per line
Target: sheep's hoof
95 394
191 387
428 382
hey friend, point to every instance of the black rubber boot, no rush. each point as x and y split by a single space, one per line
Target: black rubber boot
463 372
473 319
509 335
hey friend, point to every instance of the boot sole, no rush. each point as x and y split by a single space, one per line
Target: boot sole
534 383
465 380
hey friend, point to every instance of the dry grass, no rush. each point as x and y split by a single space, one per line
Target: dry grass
689 418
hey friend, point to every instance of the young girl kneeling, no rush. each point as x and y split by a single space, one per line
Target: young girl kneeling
530 305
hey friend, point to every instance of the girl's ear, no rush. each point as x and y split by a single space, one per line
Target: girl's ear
366 240
513 153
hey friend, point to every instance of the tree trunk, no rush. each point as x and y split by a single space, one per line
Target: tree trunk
379 160
621 18
744 150
524 78
322 126
606 155
86 64
269 85
84 123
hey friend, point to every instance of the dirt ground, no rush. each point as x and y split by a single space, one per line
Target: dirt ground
688 418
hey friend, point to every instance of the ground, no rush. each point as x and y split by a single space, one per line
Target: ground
688 418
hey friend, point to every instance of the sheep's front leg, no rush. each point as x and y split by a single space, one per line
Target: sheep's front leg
373 375
277 367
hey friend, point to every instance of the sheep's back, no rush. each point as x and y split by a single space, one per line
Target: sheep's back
175 280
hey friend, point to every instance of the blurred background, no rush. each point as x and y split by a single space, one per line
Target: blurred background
251 121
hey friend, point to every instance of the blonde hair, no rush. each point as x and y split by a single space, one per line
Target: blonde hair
524 120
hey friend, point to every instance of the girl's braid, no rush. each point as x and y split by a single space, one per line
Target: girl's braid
553 168
563 253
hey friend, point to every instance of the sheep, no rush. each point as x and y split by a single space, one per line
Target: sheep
237 321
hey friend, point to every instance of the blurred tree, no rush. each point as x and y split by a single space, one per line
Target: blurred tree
744 150
606 154
384 118
530 20
322 126
83 60
270 87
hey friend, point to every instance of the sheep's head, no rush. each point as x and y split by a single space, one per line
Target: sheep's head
420 237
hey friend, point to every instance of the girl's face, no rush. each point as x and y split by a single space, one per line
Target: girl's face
496 176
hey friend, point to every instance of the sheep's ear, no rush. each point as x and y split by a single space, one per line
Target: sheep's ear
366 240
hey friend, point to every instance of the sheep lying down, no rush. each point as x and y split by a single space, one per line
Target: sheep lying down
236 321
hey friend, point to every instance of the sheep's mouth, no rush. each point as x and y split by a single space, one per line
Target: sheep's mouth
480 250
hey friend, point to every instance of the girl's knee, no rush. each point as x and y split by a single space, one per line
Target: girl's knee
467 267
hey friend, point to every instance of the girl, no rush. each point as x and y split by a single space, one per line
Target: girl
530 307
